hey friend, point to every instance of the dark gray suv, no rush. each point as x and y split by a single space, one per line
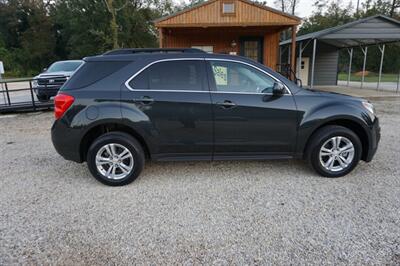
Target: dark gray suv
126 106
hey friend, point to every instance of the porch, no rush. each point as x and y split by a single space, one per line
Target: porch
257 43
237 27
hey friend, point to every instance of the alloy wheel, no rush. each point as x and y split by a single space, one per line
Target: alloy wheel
336 154
114 161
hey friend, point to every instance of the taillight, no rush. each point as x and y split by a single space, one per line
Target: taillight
61 104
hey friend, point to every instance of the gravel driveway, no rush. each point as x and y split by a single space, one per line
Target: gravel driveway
276 212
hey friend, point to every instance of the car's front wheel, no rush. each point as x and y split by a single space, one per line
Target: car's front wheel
334 151
115 159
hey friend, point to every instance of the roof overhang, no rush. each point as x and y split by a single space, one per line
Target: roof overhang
172 21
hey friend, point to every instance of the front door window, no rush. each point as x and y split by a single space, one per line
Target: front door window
240 78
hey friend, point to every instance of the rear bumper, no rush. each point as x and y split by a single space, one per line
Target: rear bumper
66 141
374 140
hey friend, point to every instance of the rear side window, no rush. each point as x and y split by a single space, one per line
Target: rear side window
91 72
172 75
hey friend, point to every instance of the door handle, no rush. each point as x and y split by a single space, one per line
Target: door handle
144 100
226 104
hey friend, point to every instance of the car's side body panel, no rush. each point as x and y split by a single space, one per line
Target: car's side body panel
175 124
317 109
90 109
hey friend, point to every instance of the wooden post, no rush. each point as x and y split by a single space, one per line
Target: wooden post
293 52
161 37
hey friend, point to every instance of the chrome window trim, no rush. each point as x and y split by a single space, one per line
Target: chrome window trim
288 92
170 90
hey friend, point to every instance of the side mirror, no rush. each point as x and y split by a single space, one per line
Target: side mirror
278 89
45 69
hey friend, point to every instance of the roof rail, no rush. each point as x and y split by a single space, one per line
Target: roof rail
126 51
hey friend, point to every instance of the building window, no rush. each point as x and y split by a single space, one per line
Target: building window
205 48
228 8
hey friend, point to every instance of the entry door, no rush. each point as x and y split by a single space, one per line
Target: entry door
252 47
171 102
248 119
304 67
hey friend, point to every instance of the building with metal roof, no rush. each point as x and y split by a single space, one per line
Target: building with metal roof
318 52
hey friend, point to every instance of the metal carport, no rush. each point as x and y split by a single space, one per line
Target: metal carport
375 30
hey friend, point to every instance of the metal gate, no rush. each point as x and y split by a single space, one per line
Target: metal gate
18 95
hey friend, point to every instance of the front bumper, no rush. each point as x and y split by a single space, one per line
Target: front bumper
48 91
375 137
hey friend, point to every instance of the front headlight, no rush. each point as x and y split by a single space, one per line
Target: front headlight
369 106
35 83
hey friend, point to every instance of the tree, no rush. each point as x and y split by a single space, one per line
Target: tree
287 6
137 14
113 21
332 15
82 28
27 35
394 6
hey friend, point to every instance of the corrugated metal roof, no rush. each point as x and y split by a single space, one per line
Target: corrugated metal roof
367 31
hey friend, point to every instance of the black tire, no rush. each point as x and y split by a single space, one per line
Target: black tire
126 141
320 138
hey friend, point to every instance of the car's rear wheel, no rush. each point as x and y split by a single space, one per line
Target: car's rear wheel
115 159
334 151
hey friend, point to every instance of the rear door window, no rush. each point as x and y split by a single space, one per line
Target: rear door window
181 75
91 72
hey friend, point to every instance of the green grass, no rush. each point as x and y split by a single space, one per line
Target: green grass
372 77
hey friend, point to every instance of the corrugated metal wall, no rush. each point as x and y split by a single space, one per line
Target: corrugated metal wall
326 63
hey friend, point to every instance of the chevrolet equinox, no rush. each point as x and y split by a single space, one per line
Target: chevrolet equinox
131 105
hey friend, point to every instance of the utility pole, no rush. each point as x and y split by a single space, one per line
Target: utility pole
358 7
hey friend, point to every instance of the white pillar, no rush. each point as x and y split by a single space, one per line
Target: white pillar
350 63
365 52
313 63
299 63
382 49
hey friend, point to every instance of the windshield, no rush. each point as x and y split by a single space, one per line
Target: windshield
64 66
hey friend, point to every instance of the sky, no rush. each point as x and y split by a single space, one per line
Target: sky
305 7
